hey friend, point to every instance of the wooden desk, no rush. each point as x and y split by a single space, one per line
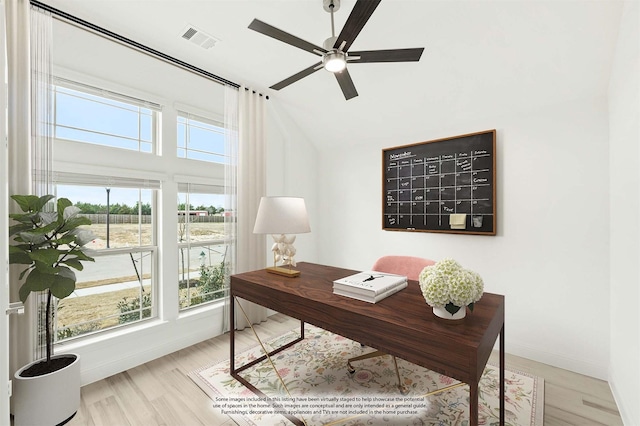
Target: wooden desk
402 325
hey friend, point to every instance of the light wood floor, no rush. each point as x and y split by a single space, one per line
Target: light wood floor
160 392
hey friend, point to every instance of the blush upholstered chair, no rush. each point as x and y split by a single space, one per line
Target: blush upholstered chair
408 266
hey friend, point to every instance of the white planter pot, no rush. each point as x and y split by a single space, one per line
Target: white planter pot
441 312
49 399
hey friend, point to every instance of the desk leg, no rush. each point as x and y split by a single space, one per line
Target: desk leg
267 355
502 375
232 335
473 404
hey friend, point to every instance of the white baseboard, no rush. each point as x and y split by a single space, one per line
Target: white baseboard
624 401
580 366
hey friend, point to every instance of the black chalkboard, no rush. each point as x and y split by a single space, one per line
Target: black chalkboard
428 186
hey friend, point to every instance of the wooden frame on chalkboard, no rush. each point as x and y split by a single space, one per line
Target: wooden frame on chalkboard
444 185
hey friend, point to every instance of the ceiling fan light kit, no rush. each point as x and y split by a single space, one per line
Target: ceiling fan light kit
334 61
335 55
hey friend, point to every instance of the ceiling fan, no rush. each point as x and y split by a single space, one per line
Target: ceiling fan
334 53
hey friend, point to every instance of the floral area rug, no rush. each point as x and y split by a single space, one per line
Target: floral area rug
322 392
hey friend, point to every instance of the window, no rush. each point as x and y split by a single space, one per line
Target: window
94 116
202 249
126 284
200 139
119 287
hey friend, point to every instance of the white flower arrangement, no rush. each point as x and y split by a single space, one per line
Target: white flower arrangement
447 284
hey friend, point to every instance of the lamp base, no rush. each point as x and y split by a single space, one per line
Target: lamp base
283 271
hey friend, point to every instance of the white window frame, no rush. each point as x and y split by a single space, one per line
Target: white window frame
98 181
200 188
109 95
192 117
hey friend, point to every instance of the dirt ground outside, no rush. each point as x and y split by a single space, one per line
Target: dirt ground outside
95 312
130 235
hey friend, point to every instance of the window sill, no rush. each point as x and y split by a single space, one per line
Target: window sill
100 337
198 311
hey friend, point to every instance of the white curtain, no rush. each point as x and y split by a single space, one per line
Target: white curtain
231 184
41 102
251 186
41 131
29 142
21 332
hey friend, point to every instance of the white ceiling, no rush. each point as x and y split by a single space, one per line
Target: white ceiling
481 58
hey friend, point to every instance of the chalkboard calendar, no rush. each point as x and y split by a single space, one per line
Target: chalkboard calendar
444 185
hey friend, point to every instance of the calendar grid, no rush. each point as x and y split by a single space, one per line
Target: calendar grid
424 187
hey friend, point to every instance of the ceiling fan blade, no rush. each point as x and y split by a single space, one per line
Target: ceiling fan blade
392 55
346 84
271 31
305 72
359 16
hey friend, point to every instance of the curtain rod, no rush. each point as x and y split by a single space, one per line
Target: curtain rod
132 43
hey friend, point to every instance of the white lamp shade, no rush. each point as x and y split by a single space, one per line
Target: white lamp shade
282 215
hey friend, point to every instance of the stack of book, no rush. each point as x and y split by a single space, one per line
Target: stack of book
369 286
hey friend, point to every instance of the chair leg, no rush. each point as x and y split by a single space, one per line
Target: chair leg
360 358
402 388
374 354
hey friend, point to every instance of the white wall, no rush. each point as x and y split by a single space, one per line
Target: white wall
292 171
624 138
550 256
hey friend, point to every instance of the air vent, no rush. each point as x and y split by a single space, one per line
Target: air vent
199 37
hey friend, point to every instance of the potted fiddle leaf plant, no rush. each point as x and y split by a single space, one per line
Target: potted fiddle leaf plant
50 244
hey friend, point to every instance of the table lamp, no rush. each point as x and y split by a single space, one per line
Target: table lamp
280 216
